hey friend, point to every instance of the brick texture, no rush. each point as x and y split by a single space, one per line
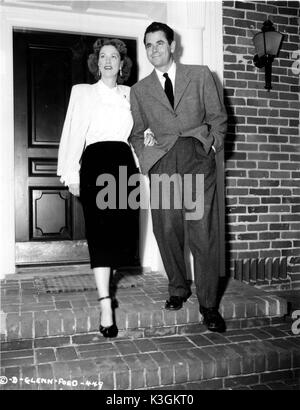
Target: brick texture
239 358
141 316
263 143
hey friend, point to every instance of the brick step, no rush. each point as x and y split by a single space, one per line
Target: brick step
278 380
28 314
243 357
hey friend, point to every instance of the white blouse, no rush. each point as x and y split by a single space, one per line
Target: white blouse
95 113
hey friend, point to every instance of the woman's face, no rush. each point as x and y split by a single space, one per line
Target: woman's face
109 61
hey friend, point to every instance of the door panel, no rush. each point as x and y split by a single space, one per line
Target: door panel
50 214
46 65
49 87
39 167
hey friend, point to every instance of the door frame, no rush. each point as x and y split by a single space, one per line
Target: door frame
21 15
45 20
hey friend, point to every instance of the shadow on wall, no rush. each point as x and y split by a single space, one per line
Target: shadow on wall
179 49
225 251
228 154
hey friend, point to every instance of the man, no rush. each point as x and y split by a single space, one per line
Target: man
181 106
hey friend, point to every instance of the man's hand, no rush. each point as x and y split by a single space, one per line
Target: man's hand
74 189
149 139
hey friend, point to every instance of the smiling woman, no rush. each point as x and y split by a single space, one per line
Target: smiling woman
94 142
95 59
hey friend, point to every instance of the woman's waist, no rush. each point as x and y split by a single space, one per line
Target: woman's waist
106 149
95 137
105 143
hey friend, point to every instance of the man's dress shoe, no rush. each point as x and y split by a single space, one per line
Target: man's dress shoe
213 320
176 302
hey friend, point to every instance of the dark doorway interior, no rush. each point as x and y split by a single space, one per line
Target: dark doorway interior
49 221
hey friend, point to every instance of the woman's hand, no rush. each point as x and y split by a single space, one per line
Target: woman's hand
74 189
149 139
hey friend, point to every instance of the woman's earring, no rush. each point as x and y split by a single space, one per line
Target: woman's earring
121 73
99 71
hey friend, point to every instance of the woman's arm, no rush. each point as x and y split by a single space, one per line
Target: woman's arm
73 137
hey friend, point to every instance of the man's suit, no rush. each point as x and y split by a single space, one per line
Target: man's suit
184 137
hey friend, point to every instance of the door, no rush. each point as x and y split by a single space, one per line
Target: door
49 220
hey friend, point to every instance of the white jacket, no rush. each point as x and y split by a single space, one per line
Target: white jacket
80 120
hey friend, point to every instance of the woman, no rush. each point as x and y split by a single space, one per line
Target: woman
93 143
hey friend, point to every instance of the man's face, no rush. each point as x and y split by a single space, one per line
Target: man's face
159 51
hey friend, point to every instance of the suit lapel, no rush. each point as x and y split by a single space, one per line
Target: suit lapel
157 91
181 82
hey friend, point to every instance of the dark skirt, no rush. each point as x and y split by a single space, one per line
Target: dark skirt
112 234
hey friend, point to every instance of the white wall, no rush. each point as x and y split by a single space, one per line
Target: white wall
180 15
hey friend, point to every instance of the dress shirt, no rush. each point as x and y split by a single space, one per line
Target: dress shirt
107 117
171 73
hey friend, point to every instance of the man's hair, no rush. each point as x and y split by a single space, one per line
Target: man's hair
156 26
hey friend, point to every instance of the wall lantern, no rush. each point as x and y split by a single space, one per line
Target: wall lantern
267 44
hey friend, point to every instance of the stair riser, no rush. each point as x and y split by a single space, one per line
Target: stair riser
212 375
36 332
239 381
32 325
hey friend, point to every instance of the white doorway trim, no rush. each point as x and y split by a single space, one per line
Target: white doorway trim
116 23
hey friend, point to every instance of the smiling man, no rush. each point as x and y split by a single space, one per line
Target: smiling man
181 105
159 51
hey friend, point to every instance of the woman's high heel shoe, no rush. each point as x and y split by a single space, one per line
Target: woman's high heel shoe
109 331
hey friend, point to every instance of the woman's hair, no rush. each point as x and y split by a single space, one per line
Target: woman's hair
122 49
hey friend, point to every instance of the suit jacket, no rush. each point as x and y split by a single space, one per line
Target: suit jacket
198 112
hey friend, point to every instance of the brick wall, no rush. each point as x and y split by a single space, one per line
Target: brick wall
262 145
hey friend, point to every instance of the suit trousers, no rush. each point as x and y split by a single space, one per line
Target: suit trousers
173 228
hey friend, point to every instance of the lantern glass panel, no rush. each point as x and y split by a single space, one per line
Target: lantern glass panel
272 43
273 40
258 41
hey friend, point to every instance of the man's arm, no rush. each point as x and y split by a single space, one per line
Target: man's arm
216 115
136 138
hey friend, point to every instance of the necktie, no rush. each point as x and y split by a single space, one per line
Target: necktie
169 89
